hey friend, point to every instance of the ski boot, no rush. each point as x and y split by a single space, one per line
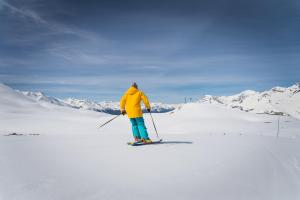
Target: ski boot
146 141
137 139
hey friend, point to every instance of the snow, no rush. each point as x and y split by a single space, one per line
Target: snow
210 151
278 100
104 167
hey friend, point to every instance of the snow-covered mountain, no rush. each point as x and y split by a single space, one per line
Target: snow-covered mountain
278 100
42 98
112 107
105 106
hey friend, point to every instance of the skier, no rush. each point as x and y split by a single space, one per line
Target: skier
130 104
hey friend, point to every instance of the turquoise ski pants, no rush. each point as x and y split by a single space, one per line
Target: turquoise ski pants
138 128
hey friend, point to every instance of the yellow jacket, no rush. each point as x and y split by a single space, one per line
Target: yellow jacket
131 102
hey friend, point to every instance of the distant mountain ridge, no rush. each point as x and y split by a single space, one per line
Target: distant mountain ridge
277 101
41 97
105 106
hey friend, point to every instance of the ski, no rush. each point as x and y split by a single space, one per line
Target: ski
141 143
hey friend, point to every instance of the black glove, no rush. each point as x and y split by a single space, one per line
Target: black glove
123 112
148 109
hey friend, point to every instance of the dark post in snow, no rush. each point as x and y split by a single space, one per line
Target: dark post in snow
278 126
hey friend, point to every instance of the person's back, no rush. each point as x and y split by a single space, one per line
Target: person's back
131 104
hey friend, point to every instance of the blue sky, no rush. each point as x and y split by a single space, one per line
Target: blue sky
172 49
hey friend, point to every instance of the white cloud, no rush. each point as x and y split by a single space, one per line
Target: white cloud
78 56
126 79
22 12
53 27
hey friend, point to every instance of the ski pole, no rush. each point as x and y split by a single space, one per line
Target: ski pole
109 121
154 126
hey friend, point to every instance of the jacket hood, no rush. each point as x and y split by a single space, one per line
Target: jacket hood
132 90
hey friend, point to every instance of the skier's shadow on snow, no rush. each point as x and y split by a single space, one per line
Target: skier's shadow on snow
176 142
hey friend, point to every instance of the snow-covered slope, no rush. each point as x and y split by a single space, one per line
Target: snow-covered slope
23 114
209 152
15 102
278 100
